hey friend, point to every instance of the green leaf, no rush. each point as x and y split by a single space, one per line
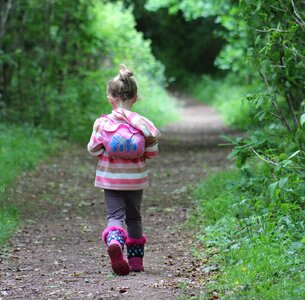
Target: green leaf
285 207
282 182
294 154
272 188
302 119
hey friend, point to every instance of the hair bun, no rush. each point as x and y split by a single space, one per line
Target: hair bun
125 73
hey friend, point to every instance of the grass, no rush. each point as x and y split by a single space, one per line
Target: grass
266 269
22 147
258 256
9 221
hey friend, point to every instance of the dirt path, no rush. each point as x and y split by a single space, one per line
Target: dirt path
57 254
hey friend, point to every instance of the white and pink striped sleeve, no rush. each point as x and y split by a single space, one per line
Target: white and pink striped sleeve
151 148
95 146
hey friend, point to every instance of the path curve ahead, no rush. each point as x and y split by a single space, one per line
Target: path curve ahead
57 254
200 126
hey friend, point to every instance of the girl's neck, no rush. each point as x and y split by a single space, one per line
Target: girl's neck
118 103
124 107
122 104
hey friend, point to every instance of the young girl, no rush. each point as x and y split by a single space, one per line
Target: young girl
123 179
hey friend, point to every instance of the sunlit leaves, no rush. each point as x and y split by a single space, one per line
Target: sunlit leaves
192 9
302 120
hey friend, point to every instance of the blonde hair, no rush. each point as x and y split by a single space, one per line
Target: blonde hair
122 86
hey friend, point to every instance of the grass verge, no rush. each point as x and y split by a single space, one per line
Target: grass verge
250 255
22 147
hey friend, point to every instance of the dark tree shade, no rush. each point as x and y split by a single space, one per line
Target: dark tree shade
184 47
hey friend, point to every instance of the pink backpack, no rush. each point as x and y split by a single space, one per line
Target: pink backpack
122 139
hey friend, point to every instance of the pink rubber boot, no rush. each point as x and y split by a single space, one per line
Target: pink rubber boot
135 253
114 238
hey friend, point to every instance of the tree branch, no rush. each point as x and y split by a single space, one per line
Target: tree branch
271 30
288 99
275 105
281 115
4 16
264 78
262 158
271 162
296 12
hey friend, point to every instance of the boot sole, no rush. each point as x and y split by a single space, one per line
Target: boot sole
119 264
135 264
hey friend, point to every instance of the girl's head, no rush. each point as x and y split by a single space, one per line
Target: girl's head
122 88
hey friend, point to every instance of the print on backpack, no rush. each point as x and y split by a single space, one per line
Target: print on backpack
122 140
119 143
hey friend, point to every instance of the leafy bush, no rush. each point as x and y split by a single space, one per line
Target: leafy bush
255 216
252 234
257 221
56 58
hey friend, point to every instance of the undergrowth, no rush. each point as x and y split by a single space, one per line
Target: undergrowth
22 147
254 244
9 221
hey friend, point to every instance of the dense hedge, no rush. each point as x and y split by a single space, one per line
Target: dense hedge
57 56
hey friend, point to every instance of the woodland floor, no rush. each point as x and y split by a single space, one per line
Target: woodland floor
58 254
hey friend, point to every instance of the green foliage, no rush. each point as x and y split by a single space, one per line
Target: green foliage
253 234
9 221
265 36
214 210
279 141
45 61
22 147
56 58
255 216
153 100
192 9
256 222
231 28
191 41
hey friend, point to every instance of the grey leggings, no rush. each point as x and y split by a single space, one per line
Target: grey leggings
126 205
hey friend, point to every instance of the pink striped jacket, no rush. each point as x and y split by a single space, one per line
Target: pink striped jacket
123 174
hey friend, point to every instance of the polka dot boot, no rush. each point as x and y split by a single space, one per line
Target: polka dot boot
114 238
135 253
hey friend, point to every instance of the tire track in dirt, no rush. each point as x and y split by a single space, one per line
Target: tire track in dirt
57 253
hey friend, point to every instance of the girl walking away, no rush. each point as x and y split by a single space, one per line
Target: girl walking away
122 141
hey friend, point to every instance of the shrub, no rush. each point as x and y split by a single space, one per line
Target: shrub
252 231
56 58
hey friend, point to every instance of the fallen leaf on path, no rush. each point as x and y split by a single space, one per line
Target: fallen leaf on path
123 290
77 274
